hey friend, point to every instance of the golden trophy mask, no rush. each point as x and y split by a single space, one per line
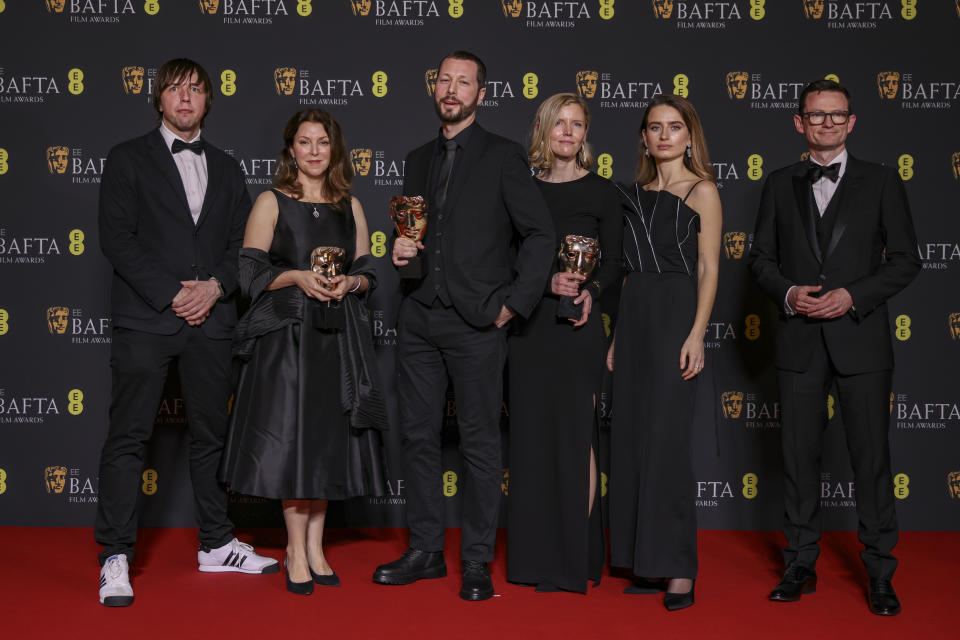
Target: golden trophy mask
328 262
578 254
409 216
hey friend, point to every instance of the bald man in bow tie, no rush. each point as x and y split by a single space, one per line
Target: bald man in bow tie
834 240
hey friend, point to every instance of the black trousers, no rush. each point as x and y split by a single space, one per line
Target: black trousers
139 362
864 401
436 342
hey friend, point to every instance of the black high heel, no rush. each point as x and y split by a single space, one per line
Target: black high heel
299 588
676 601
325 581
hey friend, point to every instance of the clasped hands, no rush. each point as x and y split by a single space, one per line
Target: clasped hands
195 300
568 284
832 304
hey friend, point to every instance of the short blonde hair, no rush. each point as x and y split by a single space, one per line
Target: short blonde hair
539 153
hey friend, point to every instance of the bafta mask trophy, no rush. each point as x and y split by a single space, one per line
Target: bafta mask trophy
328 262
409 215
578 254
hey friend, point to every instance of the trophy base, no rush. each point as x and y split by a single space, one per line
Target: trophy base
413 270
567 310
328 315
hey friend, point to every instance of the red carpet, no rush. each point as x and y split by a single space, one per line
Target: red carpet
50 578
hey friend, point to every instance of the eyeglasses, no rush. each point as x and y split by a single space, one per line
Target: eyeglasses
819 117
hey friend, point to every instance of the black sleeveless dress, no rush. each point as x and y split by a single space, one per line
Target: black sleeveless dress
653 520
555 371
289 437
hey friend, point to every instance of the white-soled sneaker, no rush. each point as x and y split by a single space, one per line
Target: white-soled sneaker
235 556
115 589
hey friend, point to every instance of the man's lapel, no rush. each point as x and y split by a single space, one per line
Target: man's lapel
807 210
162 157
215 171
847 192
471 155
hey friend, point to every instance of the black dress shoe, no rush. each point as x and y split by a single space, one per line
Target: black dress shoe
883 599
331 580
413 565
299 588
796 581
476 583
675 601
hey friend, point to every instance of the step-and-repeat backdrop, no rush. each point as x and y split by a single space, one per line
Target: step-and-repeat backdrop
76 78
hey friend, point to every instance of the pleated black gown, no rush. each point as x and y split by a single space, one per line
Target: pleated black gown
653 523
555 372
289 437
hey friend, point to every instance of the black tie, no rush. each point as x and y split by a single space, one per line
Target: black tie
817 171
446 170
196 146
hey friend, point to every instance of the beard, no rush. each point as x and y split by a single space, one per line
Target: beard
462 113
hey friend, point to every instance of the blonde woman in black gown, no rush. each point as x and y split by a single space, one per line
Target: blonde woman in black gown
671 250
305 422
555 536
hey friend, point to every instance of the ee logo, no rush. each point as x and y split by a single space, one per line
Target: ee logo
903 327
378 244
755 166
3 5
4 321
75 402
606 9
3 474
603 484
901 486
4 156
149 486
75 81
76 242
905 164
228 82
530 82
681 84
750 486
830 406
304 8
606 323
456 8
757 12
832 76
151 7
909 10
751 326
450 484
605 165
379 84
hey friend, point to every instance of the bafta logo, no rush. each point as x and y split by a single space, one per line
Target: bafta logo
361 161
953 484
132 80
813 9
737 84
662 9
587 83
804 156
512 8
888 82
57 320
734 243
954 322
360 7
55 6
57 159
430 77
955 160
284 78
209 6
55 479
731 402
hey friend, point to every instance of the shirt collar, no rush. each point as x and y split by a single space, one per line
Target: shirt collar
462 138
842 159
170 136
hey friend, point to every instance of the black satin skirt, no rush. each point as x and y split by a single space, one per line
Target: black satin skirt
289 437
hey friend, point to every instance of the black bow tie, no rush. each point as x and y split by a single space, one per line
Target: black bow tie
817 171
196 146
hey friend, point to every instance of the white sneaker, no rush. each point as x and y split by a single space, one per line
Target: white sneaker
235 556
115 589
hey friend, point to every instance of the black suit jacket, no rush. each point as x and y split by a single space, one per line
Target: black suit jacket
148 234
491 200
872 252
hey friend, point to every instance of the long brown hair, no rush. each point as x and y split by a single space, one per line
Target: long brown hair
699 160
338 179
539 153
